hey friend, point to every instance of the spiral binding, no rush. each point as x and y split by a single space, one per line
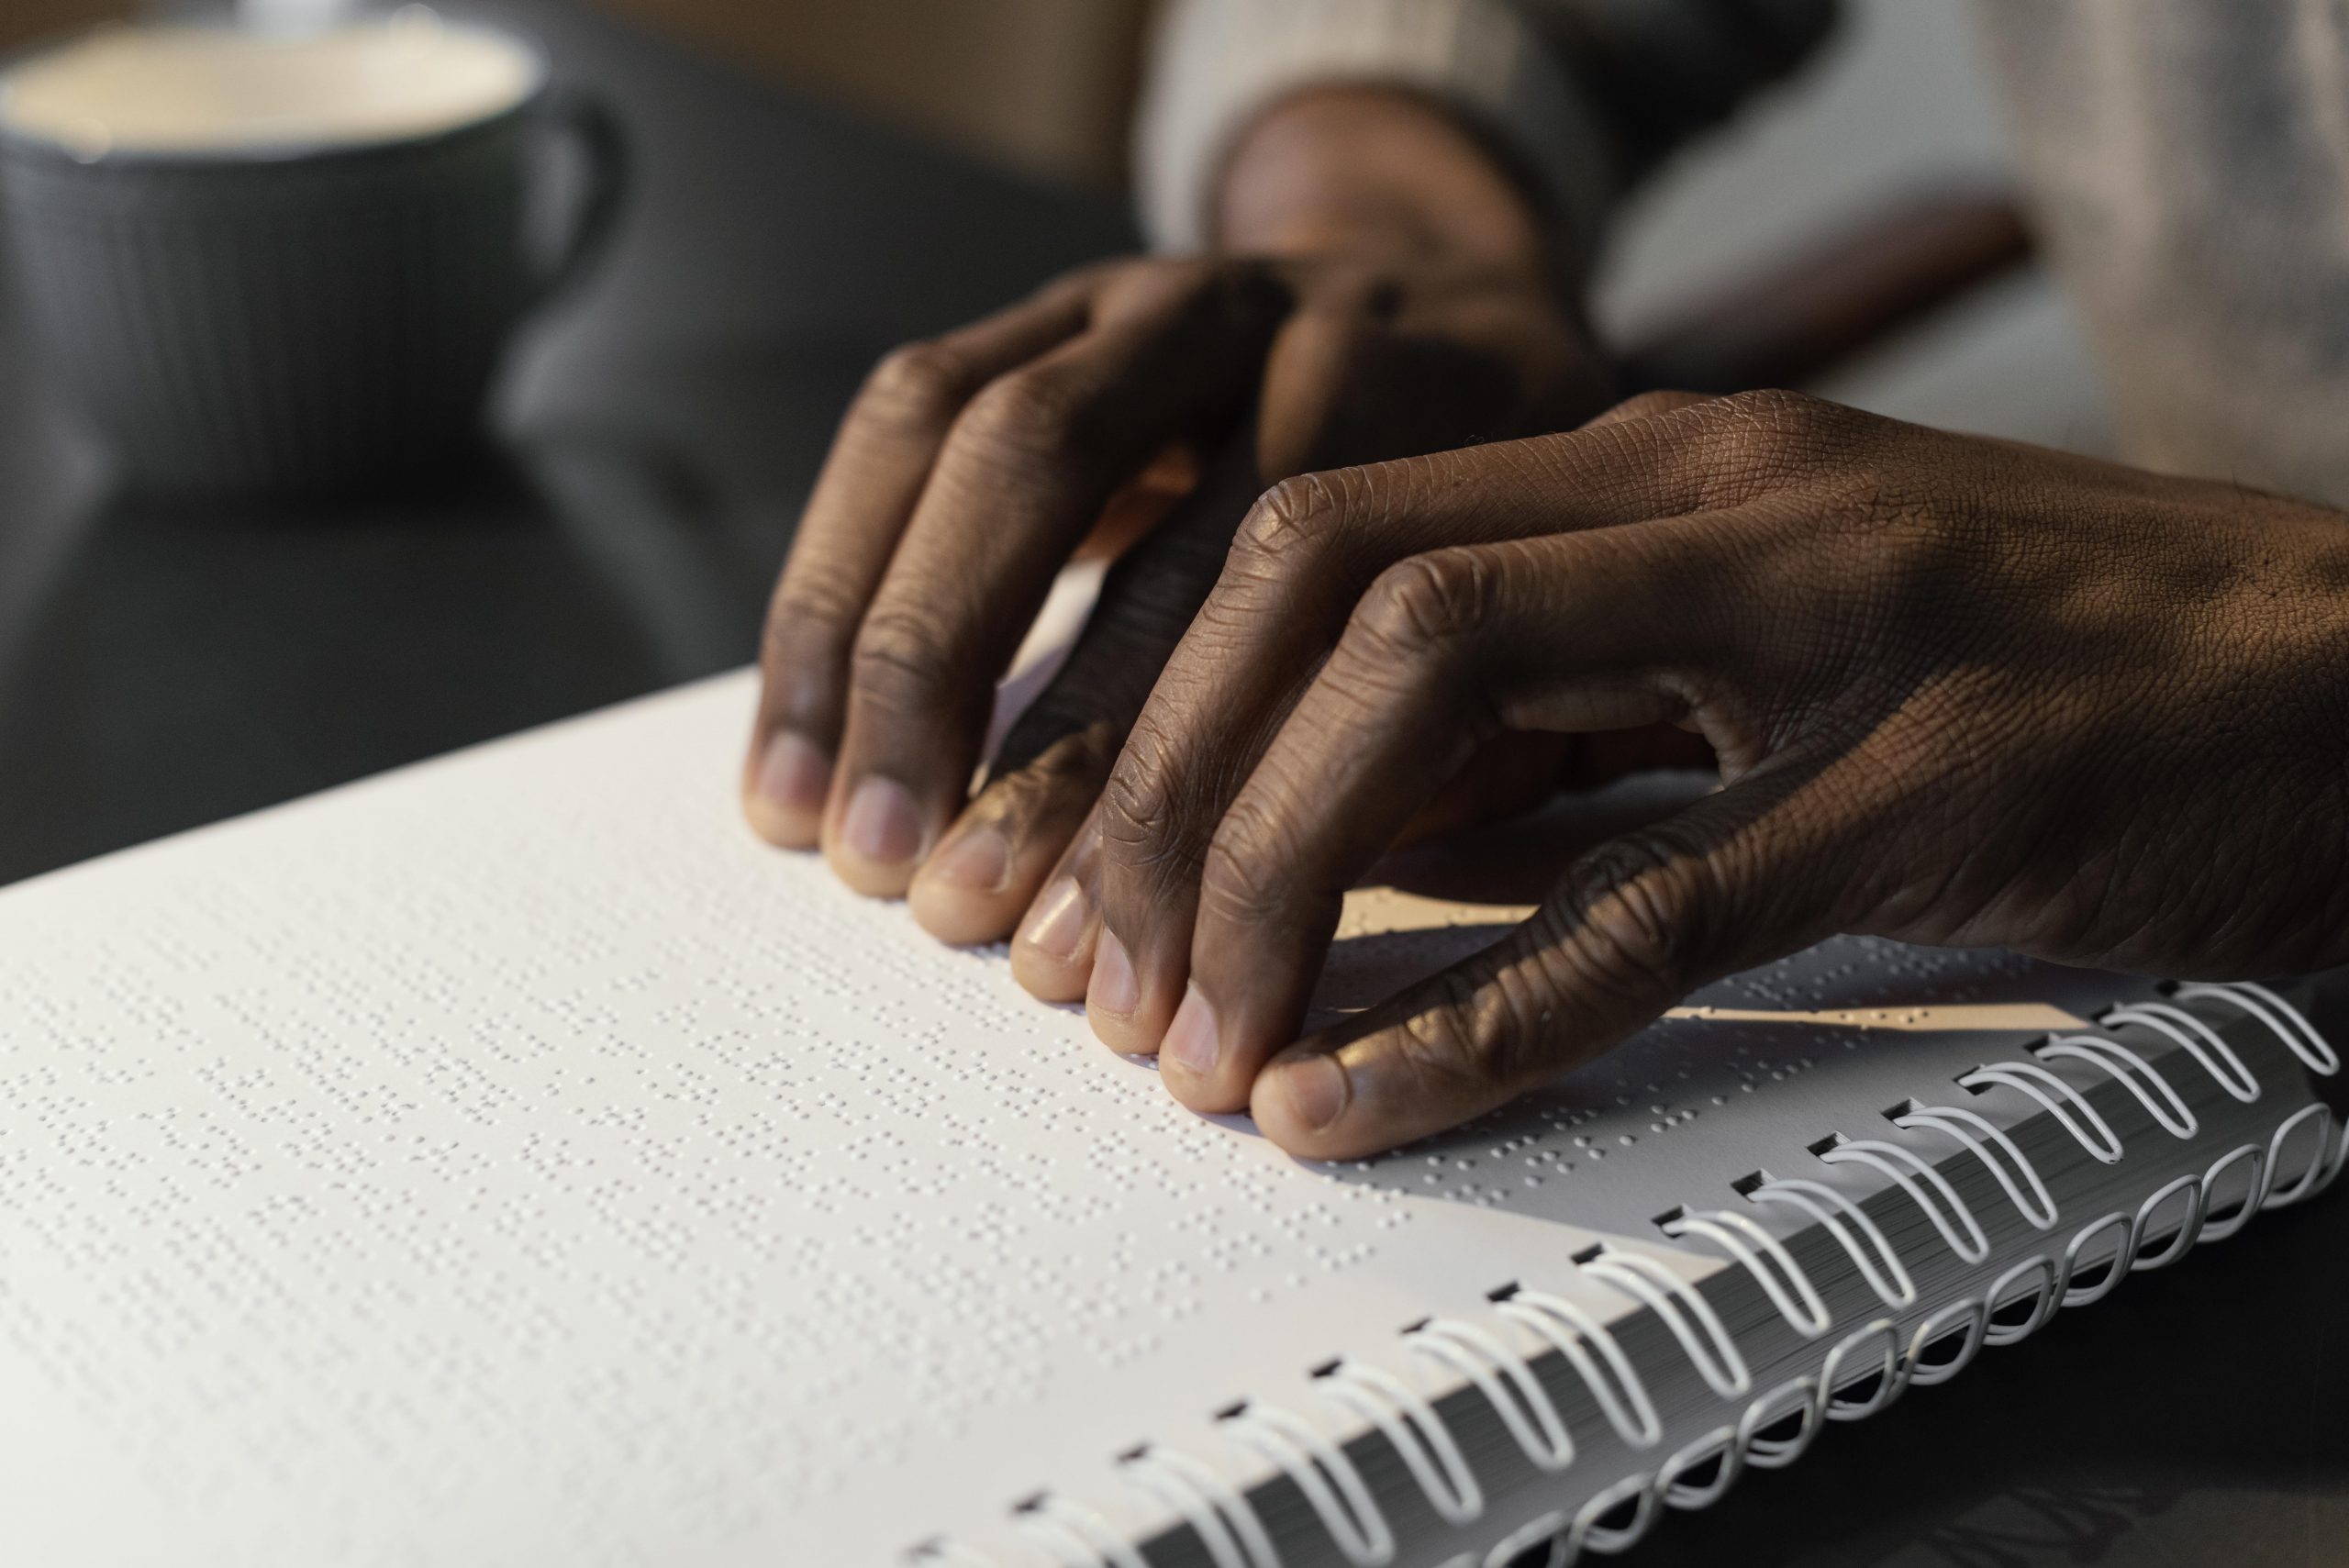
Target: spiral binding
1218 1512
1863 1372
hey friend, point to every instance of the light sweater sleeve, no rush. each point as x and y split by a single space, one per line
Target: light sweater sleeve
1582 97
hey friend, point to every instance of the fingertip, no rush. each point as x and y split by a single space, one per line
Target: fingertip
1113 995
1300 1100
962 893
1052 952
784 787
783 829
876 844
1192 1060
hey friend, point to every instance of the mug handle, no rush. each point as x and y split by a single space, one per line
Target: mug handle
590 126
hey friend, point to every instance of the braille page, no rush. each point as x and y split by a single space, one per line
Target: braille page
510 1160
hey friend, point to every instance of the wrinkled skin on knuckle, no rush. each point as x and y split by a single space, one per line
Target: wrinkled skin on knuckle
804 652
1287 520
1462 1043
900 664
916 387
1284 550
1755 443
1021 420
810 608
1237 881
1422 606
1144 804
1625 929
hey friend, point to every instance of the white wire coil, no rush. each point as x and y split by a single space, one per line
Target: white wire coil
1878 1356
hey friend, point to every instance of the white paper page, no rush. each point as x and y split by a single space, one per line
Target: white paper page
512 1160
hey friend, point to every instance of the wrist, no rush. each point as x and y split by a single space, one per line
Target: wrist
1379 171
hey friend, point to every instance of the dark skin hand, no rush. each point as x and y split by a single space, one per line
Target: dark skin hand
1383 289
1960 691
1963 692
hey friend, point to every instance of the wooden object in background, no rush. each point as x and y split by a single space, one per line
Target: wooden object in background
21 21
1045 86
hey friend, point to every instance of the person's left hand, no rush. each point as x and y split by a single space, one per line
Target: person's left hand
1385 288
1963 692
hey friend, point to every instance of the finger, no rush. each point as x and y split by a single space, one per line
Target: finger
1299 564
1576 632
990 865
1744 876
1051 955
1517 771
1338 385
863 495
1021 479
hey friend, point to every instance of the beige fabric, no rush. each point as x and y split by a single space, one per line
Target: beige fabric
1218 63
2189 167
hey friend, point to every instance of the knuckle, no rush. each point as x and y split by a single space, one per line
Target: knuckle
809 608
917 387
1789 425
1025 415
1422 603
1628 928
1289 519
1462 1040
1148 809
1241 880
1292 536
1138 802
901 662
1777 407
1752 445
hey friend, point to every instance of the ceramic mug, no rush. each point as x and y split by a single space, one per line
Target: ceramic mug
289 264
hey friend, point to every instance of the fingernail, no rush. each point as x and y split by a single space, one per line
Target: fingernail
794 774
1190 1041
979 859
1114 989
1317 1090
1056 924
881 825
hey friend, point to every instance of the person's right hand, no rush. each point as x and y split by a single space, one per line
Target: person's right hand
1964 693
1417 309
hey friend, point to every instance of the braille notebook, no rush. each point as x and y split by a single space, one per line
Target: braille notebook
510 1160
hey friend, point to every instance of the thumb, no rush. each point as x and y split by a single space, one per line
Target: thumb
1749 874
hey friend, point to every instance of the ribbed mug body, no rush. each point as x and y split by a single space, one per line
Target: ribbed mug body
324 320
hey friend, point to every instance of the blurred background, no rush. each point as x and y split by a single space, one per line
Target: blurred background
1045 90
813 182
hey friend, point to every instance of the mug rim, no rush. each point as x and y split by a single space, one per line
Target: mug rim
273 154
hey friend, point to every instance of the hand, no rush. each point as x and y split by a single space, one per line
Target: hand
1963 692
1400 299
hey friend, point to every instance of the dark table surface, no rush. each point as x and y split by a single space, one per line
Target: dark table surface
160 669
